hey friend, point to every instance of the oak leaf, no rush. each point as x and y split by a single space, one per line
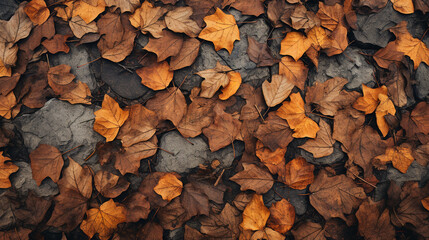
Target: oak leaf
103 220
255 215
166 45
178 20
274 132
37 11
17 28
109 118
46 161
157 76
282 216
253 178
330 16
187 54
7 103
259 53
400 156
297 174
146 18
6 169
323 144
169 187
109 185
169 104
385 107
277 90
369 102
221 30
295 71
223 225
295 44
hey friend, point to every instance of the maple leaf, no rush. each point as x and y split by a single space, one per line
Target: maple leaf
37 11
217 77
295 71
276 91
272 159
339 41
282 216
157 76
322 145
418 121
178 20
259 53
400 156
166 45
109 185
221 30
169 104
46 161
297 174
187 54
255 215
253 178
79 94
295 44
87 11
57 44
369 102
346 122
6 168
7 103
301 18
146 18
318 37
103 220
294 113
169 187
109 118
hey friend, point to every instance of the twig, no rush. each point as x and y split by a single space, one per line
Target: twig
260 115
172 154
218 179
90 155
365 181
89 62
70 150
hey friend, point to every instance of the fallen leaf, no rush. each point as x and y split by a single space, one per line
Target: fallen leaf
269 157
253 97
335 196
57 44
128 159
169 104
34 91
253 178
322 145
124 5
295 71
249 7
59 75
16 234
37 11
346 122
425 203
178 20
418 121
330 16
274 132
79 94
169 187
112 27
232 87
301 18
224 225
194 201
166 45
295 44
151 231
318 37
138 207
80 27
173 215
103 220
421 154
8 56
187 54
157 76
214 79
400 156
18 27
267 233
146 18
339 41
369 102
403 6
6 169
388 55
385 107
221 30
146 188
87 11
109 185
259 53
119 50
276 91
4 70
297 174
309 231
7 103
46 161
374 221
255 215
109 118
282 216
35 209
198 116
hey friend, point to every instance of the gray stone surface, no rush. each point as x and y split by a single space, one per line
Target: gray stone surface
350 65
335 157
186 156
415 172
294 196
23 181
63 126
7 9
422 79
77 56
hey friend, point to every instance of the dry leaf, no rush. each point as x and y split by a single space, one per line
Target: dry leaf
400 156
7 103
214 79
274 132
282 216
169 104
57 44
385 107
369 102
322 145
249 7
146 18
276 91
301 18
295 71
255 215
79 94
46 161
259 53
267 233
346 122
187 54
109 185
109 118
166 45
253 178
295 44
173 215
157 76
124 5
198 116
232 87
169 187
119 50
309 231
330 16
388 55
339 41
221 30
6 169
87 11
17 28
128 159
403 6
103 220
270 157
37 11
297 174
374 221
80 27
137 207
178 20
194 200
224 225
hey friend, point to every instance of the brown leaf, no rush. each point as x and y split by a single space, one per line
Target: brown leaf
187 54
223 225
112 27
400 156
146 188
322 145
384 108
8 55
276 91
173 215
309 231
37 11
179 21
335 196
7 103
198 116
253 178
119 50
146 18
274 132
46 161
339 41
140 126
79 94
295 44
16 234
156 76
418 121
57 44
109 185
169 187
109 118
246 7
169 104
124 5
259 53
282 216
128 160
346 122
6 168
60 75
276 9
137 206
167 45
80 27
273 160
301 18
7 84
194 201
254 97
295 71
297 174
330 16
215 78
17 28
34 210
151 231
33 89
374 221
388 55
421 154
370 100
255 215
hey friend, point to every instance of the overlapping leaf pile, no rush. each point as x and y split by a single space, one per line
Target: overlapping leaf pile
375 128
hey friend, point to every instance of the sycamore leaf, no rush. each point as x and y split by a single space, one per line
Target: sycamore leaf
7 103
295 44
157 76
178 20
166 45
282 216
385 107
400 156
295 71
403 6
17 28
169 187
369 102
109 185
146 18
109 118
187 54
322 145
330 16
221 29
46 161
297 174
6 169
253 178
103 220
255 215
37 11
276 91
169 104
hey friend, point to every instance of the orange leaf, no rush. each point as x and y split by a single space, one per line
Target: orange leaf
168 104
277 90
169 187
255 215
385 107
369 102
37 11
403 6
297 173
5 170
146 18
109 118
46 161
268 156
5 71
318 37
187 54
232 87
425 203
103 220
330 16
157 76
7 103
295 44
400 156
221 30
295 71
79 94
267 233
214 79
339 41
88 12
282 216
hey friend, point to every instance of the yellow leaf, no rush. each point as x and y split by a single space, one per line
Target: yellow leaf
5 170
157 76
295 44
37 11
232 87
221 30
385 107
88 12
369 102
318 37
169 187
400 156
255 215
103 220
6 105
403 6
109 118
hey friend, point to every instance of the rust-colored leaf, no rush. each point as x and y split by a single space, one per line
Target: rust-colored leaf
259 53
295 71
169 104
369 102
146 18
157 76
277 90
255 215
282 216
297 174
46 161
253 178
37 11
187 54
169 187
7 103
295 44
166 45
109 118
178 20
57 44
6 168
109 185
400 156
323 144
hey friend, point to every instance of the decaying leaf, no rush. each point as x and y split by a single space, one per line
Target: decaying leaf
146 18
224 225
166 45
297 174
255 215
179 21
253 178
169 104
169 187
46 161
275 132
187 54
259 53
374 221
282 216
109 118
109 185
